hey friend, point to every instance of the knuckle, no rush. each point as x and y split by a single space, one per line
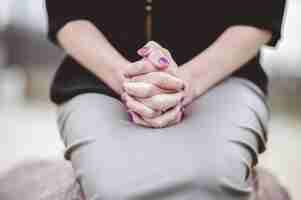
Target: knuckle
157 101
130 65
149 114
135 79
130 105
152 89
140 65
161 76
153 44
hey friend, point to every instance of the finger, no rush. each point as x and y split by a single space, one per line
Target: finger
148 48
161 79
159 60
143 90
188 90
144 51
164 119
162 102
138 107
173 66
138 120
159 56
155 53
140 67
163 62
177 120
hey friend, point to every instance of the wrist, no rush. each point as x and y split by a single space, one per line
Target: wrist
119 80
114 76
200 74
191 83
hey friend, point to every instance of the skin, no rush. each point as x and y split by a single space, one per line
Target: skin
167 107
198 75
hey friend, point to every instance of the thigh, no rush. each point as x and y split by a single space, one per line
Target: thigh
235 110
113 157
89 117
232 118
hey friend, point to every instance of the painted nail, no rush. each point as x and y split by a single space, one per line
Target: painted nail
183 115
144 51
130 115
182 109
123 97
179 117
163 61
184 86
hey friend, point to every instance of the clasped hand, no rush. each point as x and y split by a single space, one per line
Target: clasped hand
153 92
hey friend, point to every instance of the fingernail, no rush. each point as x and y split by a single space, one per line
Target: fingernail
183 115
144 51
123 88
182 109
183 86
123 97
163 61
125 85
131 118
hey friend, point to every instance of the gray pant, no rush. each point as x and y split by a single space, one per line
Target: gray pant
208 156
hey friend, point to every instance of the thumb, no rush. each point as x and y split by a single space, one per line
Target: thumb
159 57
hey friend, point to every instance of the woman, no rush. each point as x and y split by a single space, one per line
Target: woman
205 151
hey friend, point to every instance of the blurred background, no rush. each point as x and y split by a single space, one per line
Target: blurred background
28 62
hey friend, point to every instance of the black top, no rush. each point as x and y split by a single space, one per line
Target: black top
186 28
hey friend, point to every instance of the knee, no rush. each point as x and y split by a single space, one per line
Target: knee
80 117
227 173
98 189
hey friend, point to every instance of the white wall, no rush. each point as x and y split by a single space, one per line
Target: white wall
286 60
27 13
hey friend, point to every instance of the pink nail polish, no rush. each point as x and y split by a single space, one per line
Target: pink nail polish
130 116
182 116
123 98
163 61
182 109
184 86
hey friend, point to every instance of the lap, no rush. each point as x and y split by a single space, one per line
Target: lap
226 125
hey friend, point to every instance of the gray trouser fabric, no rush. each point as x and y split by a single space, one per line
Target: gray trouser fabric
208 156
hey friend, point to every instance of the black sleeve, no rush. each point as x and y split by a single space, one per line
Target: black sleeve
264 14
60 12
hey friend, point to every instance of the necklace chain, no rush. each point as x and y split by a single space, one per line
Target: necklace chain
148 20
